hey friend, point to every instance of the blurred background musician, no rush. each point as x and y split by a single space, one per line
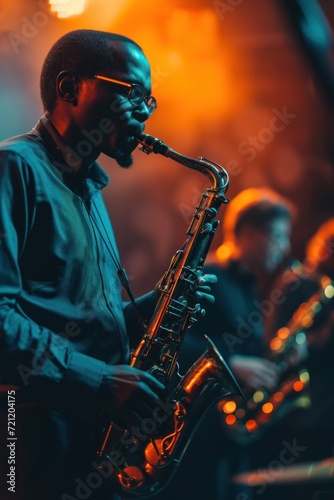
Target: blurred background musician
256 228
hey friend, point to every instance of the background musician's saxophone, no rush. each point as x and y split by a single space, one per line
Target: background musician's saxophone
141 463
263 407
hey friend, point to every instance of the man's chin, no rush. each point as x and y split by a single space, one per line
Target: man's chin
122 152
124 160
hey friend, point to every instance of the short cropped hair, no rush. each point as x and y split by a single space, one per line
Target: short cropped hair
256 207
261 215
85 52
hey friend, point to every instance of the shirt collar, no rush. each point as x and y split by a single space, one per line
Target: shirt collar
72 163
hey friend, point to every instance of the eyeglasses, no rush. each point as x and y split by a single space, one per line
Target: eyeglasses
136 93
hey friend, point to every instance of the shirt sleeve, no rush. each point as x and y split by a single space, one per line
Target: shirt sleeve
30 354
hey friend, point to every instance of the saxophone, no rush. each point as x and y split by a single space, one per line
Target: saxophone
140 462
247 421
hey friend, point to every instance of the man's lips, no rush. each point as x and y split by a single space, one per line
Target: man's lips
128 137
132 131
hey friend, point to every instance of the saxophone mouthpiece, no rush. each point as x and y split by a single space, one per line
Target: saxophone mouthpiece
150 144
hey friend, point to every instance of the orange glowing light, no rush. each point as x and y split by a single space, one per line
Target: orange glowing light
325 281
230 419
307 320
267 408
283 333
251 425
229 407
224 252
278 396
67 8
298 386
276 344
198 377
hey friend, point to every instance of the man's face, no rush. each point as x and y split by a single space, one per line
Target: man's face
263 250
278 243
105 107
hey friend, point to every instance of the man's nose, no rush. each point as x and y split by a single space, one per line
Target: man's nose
141 112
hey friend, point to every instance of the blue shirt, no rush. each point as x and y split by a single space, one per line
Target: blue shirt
61 313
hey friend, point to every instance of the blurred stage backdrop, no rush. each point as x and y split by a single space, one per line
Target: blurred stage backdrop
248 84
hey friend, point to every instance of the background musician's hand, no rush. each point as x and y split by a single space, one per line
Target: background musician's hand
131 394
254 372
297 354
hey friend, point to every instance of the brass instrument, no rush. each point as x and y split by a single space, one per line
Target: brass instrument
140 462
246 422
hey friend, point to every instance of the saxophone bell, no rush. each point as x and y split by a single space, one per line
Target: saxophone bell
146 461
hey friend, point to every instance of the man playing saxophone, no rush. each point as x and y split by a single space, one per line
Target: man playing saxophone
256 230
63 325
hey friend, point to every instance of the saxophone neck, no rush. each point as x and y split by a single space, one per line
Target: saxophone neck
216 173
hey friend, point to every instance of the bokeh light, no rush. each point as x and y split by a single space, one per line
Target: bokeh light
67 8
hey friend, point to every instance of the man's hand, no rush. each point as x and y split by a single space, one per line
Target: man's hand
254 372
198 293
296 355
203 289
131 394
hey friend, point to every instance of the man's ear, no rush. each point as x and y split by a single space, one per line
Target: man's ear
67 87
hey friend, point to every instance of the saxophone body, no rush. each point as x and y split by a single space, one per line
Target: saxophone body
248 421
140 461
